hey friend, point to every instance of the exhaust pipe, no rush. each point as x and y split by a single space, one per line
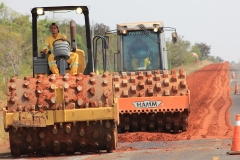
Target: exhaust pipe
73 35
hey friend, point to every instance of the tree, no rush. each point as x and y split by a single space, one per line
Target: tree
10 51
80 44
205 49
25 32
14 42
179 54
82 32
196 50
6 14
43 32
100 29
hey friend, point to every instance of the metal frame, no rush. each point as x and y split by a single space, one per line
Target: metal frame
51 117
89 66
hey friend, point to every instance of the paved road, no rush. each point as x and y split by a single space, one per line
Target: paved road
235 108
175 150
207 149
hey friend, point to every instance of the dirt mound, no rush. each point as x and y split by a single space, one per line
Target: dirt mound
210 102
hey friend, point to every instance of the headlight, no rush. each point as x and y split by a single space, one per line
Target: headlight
124 31
79 10
40 11
155 29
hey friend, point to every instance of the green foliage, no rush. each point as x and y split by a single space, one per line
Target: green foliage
182 54
196 50
204 49
110 53
215 59
43 32
100 29
81 31
80 43
10 52
179 54
6 14
112 48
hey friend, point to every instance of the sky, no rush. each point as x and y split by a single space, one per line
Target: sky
214 22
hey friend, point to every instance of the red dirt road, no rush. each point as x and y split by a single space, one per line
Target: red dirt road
210 102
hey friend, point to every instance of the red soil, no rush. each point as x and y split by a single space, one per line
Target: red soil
210 102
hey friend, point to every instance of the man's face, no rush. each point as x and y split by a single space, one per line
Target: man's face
54 29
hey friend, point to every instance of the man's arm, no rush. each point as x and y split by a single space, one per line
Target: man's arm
45 46
64 37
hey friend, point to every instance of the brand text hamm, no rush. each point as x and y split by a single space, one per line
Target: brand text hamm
147 104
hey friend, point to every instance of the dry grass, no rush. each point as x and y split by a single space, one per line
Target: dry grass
3 134
3 100
194 67
3 104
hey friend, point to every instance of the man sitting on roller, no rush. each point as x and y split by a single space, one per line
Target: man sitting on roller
48 46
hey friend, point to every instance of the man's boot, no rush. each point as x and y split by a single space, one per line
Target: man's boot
54 70
74 70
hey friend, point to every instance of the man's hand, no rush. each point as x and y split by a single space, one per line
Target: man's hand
45 51
64 39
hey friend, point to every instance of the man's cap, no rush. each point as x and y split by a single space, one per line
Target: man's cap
55 24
